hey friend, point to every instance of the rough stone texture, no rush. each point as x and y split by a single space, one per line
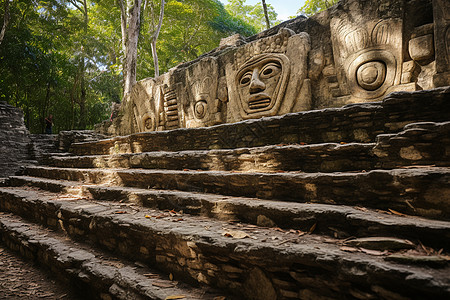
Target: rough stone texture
94 274
352 123
418 144
356 51
333 220
66 138
42 144
327 157
426 189
200 250
441 13
15 140
251 221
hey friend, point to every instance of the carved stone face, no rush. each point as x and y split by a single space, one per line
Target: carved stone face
261 82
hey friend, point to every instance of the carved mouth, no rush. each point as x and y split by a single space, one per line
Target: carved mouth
258 101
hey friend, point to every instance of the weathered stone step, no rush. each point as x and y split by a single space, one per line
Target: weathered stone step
329 157
351 123
255 263
419 191
96 275
418 143
333 220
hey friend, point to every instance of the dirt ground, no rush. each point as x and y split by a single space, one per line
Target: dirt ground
20 279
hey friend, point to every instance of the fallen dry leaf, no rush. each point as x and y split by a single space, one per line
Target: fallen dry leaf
175 297
311 230
349 249
237 234
220 298
397 213
120 212
148 217
171 276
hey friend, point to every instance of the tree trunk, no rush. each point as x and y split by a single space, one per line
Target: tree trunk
131 43
5 21
155 37
265 13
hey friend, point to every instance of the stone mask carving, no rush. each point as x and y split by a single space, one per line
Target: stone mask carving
262 82
368 54
202 85
267 77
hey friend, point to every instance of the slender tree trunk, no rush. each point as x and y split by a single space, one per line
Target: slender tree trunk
265 13
154 38
5 21
129 68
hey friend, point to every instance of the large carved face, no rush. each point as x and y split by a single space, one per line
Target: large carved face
261 82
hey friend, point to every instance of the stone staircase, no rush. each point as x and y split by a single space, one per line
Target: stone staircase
42 144
348 203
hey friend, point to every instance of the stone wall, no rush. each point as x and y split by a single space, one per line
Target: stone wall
15 140
357 51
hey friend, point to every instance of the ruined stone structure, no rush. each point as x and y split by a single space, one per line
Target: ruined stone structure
357 51
15 140
348 202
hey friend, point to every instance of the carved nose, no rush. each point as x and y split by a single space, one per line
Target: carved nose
256 85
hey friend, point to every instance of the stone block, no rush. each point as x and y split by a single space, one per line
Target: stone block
421 48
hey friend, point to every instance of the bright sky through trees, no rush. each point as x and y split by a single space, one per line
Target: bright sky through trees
284 8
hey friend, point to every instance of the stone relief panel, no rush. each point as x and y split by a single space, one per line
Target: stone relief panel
268 77
204 88
145 106
368 56
357 51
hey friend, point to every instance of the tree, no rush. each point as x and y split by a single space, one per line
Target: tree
156 29
5 21
130 24
312 7
265 13
254 15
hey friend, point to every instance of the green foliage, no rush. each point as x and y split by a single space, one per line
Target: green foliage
252 14
55 60
312 7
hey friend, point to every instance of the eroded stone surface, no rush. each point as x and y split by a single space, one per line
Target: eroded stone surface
357 51
187 251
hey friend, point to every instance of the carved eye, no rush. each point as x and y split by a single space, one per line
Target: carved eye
270 69
245 79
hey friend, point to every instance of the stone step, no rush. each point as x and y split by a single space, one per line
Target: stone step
419 191
332 220
419 143
252 262
351 123
95 274
329 157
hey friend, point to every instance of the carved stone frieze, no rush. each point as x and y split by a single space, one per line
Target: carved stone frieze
267 77
368 54
203 105
356 51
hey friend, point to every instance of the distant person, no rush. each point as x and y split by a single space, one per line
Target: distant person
49 124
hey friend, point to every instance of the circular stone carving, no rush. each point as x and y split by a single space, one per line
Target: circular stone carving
371 75
149 123
200 109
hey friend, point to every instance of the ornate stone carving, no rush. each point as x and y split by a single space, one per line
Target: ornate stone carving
268 76
203 105
144 106
368 54
357 51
